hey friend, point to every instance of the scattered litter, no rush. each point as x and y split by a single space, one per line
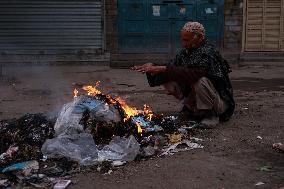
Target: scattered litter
22 139
196 139
159 142
189 126
259 183
259 137
156 165
148 151
118 163
109 172
9 153
61 184
93 129
266 168
27 168
4 182
174 147
104 167
175 138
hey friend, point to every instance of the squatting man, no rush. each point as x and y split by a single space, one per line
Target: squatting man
197 76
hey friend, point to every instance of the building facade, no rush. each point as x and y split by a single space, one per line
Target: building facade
128 32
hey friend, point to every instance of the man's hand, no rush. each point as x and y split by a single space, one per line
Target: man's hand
142 67
149 68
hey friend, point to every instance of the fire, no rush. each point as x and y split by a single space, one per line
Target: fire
111 99
92 90
148 112
129 111
139 129
75 93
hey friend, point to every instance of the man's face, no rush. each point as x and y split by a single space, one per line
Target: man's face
189 40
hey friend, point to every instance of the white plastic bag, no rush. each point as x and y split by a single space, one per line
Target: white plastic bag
124 149
78 147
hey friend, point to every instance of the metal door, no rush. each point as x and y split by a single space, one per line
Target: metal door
50 27
153 26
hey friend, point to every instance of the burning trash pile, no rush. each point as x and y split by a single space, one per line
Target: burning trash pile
92 129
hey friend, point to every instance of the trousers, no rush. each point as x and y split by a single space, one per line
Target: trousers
203 96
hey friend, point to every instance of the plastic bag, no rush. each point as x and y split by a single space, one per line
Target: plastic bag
124 149
69 118
100 110
26 167
79 147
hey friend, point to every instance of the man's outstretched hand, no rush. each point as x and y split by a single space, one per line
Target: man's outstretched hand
149 68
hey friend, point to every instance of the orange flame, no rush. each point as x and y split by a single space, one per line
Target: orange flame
92 90
129 111
139 129
111 99
148 112
75 93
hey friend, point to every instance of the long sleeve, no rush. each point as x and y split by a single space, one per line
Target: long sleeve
184 75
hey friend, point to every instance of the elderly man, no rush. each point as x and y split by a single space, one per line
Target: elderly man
198 76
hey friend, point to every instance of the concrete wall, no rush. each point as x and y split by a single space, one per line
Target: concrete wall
233 25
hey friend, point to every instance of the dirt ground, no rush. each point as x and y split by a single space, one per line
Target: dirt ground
233 152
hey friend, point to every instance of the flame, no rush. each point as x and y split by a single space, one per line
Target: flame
75 93
148 112
92 90
129 111
139 129
111 99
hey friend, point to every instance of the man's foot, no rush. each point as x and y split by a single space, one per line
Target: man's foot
209 122
209 119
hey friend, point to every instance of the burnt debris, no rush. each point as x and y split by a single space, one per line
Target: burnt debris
28 133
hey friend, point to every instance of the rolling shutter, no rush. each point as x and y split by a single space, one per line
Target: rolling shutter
264 25
50 26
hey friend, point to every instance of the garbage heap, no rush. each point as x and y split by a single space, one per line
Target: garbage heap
91 130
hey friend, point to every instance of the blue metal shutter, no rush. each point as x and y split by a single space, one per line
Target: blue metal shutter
153 26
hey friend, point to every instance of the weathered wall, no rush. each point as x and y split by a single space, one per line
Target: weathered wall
111 25
233 24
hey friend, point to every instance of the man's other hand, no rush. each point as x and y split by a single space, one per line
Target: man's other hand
141 67
149 68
